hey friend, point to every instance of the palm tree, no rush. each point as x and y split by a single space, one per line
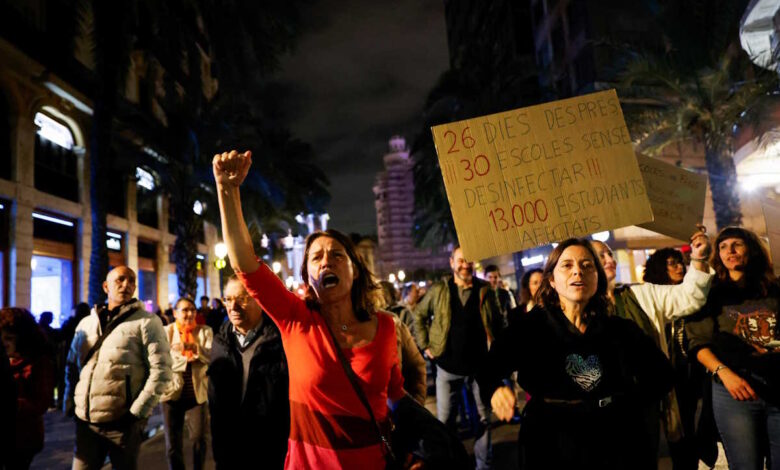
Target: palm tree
244 40
697 89
110 40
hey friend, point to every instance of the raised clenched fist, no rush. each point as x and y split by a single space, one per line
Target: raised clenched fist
231 168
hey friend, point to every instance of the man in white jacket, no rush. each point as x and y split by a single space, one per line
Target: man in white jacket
118 366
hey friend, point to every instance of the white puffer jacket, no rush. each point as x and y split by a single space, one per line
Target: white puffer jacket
129 372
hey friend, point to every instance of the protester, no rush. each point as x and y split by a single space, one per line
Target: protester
409 357
203 311
248 386
217 315
506 300
591 373
44 322
30 359
666 266
68 329
188 392
118 366
7 411
652 307
466 319
529 284
737 340
330 426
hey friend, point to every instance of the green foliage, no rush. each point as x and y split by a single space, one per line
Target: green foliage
697 89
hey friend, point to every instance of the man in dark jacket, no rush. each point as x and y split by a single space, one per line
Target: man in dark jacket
248 385
465 320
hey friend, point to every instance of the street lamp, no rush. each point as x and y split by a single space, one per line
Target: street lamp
391 278
276 267
220 249
401 275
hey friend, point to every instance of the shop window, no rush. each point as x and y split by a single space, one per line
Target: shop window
56 165
147 274
173 287
147 289
52 287
5 227
53 283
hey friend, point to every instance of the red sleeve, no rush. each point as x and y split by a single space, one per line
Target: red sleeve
268 290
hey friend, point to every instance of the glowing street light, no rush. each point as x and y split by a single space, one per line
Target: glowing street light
220 249
391 278
276 267
401 275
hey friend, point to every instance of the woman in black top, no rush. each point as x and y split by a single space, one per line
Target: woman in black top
588 373
736 339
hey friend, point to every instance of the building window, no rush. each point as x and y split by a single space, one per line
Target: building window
173 287
53 283
56 165
147 274
146 197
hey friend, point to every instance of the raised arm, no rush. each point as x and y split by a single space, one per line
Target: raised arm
230 170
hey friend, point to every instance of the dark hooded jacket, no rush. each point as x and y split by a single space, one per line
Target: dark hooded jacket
259 423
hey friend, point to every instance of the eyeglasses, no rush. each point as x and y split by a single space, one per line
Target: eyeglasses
242 299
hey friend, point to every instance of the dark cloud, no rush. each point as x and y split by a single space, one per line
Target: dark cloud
360 74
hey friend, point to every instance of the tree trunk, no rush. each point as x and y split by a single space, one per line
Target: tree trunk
723 183
185 251
100 149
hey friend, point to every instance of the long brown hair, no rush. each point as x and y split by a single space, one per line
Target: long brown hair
366 293
758 272
547 296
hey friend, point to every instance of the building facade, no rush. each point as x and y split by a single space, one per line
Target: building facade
45 216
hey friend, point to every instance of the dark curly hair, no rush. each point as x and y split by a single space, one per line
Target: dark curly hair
758 272
30 340
366 292
547 296
656 271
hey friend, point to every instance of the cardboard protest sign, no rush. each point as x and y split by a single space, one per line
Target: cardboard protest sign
541 174
676 197
772 218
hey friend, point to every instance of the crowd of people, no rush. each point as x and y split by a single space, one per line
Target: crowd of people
322 380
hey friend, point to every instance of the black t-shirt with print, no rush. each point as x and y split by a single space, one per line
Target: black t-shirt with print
612 359
740 325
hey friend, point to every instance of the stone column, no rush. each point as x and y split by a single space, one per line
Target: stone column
23 155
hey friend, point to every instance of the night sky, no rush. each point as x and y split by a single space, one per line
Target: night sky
359 74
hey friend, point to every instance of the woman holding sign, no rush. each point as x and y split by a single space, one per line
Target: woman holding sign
737 339
591 376
331 426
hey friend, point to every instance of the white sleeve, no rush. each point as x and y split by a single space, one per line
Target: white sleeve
665 302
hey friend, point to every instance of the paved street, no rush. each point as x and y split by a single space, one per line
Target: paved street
58 450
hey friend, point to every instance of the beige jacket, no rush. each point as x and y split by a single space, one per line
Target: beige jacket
411 361
203 336
129 372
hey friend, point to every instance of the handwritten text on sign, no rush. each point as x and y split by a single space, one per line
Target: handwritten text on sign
676 197
540 174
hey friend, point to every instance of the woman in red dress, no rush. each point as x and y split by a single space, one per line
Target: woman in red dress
329 426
